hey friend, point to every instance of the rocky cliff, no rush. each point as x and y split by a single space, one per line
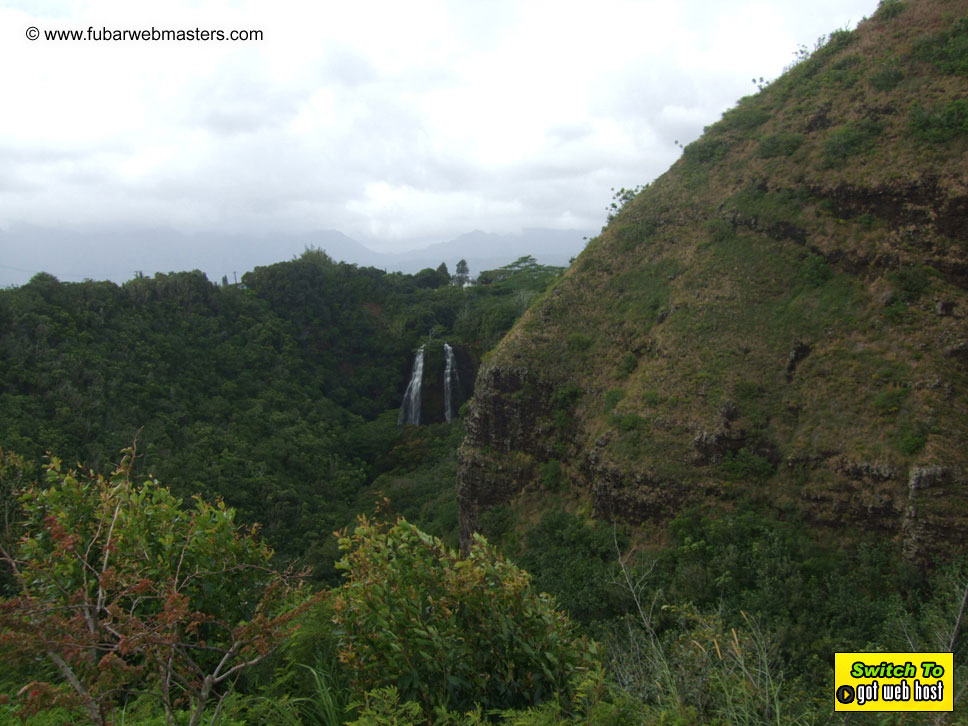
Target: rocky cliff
781 316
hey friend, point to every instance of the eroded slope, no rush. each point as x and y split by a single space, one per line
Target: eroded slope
780 316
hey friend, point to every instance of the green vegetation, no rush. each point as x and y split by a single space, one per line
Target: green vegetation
743 375
948 50
779 145
577 561
940 123
704 151
745 465
551 477
816 271
728 443
761 208
621 199
887 77
731 621
850 140
889 9
459 632
888 403
746 116
278 395
122 589
911 438
612 398
910 283
151 613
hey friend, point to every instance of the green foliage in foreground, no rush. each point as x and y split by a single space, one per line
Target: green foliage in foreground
150 612
146 605
122 590
595 701
453 631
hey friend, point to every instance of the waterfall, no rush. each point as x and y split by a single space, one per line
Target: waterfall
451 376
410 408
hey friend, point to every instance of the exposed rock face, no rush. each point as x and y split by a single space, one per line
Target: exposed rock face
712 446
507 409
632 496
800 351
937 512
502 423
781 316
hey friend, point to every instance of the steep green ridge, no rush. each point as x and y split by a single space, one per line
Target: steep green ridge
778 318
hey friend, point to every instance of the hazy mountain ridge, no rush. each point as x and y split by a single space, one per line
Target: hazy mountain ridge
119 253
781 316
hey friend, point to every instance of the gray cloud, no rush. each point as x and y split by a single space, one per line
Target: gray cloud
397 125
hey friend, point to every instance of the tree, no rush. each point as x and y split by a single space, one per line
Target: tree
462 273
14 474
430 278
125 591
621 199
449 631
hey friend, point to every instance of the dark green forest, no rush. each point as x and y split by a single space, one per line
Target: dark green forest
279 394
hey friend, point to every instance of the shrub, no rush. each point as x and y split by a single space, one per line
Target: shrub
706 150
745 117
888 403
779 145
745 465
627 422
911 438
941 122
947 51
125 591
815 271
497 521
621 199
911 283
575 560
551 475
886 78
612 397
15 473
448 631
580 342
887 9
849 140
719 229
628 364
840 39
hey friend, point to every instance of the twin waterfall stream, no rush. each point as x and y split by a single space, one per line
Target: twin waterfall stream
410 408
450 378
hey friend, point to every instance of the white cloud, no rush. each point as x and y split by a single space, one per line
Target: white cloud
390 121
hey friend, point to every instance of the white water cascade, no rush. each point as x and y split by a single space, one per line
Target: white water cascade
410 408
451 376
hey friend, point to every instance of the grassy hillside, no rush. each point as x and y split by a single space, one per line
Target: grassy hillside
779 317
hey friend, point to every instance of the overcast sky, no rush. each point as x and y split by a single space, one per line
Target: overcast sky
398 123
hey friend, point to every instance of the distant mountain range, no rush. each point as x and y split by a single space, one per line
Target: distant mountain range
118 253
